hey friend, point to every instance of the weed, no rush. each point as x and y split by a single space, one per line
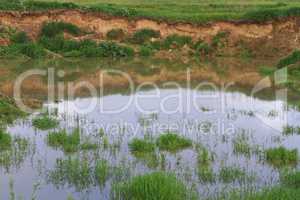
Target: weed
115 34
144 35
217 40
202 48
173 142
176 41
157 185
45 123
146 51
281 156
206 174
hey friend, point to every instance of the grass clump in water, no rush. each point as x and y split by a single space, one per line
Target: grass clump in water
72 172
173 142
8 111
144 35
102 172
291 179
5 140
157 185
141 146
230 174
281 156
45 123
61 139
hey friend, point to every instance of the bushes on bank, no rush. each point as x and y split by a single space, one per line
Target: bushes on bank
53 29
19 38
290 59
144 35
176 41
115 34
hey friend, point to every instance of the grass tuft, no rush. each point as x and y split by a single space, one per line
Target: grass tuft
45 123
281 156
173 142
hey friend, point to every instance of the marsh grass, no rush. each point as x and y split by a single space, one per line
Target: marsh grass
281 156
241 145
172 142
102 172
291 179
230 174
45 123
204 165
157 185
72 172
5 140
9 112
291 130
141 146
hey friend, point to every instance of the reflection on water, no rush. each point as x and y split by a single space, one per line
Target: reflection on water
218 120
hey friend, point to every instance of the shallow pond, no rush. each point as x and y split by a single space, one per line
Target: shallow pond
216 119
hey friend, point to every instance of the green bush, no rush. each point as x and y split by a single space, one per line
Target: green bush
31 50
157 185
115 34
52 29
177 41
111 49
281 156
173 142
202 48
9 112
113 10
42 5
290 59
20 38
144 35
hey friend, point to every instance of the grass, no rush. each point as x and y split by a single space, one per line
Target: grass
102 171
176 41
5 140
289 60
281 156
52 29
189 11
45 123
230 174
141 146
291 179
173 142
8 111
291 130
157 185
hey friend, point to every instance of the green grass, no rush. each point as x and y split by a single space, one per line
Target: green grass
291 179
173 142
281 156
157 185
289 60
144 35
230 174
191 11
45 123
141 146
8 111
5 140
51 29
176 41
102 171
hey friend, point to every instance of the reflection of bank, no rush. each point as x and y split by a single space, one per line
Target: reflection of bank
274 114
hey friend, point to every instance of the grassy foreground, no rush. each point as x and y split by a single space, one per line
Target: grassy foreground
189 11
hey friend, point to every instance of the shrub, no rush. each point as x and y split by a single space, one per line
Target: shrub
157 185
111 49
8 112
45 123
144 35
32 50
19 38
115 34
281 156
173 142
141 146
52 29
291 59
202 48
176 41
53 44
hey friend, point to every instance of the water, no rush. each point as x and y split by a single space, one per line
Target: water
213 118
